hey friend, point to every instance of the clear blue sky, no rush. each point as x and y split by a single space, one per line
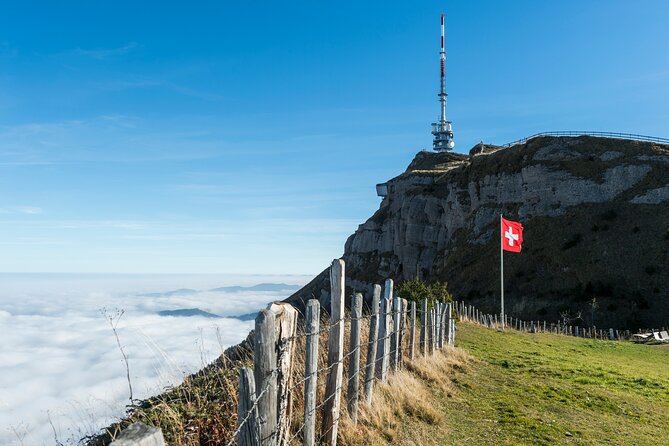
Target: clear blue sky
247 137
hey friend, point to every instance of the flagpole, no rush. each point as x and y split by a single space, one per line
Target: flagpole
501 265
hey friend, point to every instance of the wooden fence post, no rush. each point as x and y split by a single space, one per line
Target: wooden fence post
383 352
395 339
354 363
452 331
140 434
265 374
412 335
286 329
430 326
371 345
444 324
428 334
312 322
437 325
388 291
435 315
380 341
247 413
449 318
331 411
403 322
423 327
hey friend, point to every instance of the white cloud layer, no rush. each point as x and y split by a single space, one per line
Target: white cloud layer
59 359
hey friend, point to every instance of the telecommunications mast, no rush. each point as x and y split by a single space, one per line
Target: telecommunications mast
442 130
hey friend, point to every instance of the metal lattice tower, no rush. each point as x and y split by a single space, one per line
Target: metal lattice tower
443 130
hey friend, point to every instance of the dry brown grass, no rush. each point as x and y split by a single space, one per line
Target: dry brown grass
407 397
203 409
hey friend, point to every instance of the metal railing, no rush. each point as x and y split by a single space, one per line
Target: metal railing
630 136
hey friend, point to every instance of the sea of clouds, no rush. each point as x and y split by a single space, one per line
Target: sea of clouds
61 372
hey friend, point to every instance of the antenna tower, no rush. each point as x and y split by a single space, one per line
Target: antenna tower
443 130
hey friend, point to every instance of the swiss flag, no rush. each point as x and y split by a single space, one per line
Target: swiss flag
512 235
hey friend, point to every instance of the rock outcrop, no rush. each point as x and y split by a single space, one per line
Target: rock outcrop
596 218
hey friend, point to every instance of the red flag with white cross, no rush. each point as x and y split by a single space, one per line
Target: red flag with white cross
512 235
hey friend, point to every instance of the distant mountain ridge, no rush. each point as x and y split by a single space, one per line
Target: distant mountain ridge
261 287
195 312
189 312
265 287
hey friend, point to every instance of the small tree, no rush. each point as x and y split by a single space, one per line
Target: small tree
568 319
593 307
416 290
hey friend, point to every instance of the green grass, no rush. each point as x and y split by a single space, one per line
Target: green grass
543 389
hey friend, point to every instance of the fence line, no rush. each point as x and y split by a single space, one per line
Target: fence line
386 351
265 415
630 136
472 314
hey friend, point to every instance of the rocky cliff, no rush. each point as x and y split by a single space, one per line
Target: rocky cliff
596 218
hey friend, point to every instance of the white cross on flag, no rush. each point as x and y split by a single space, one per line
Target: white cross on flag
512 235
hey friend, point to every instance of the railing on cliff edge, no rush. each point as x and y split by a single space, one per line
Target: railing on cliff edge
630 136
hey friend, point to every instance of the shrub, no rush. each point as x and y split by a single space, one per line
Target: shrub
416 289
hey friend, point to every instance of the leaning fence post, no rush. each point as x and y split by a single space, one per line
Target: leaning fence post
371 345
412 327
247 413
312 322
265 374
354 364
335 353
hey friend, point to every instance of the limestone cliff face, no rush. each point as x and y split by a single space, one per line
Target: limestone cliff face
596 218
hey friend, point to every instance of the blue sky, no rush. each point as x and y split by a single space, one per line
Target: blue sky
238 137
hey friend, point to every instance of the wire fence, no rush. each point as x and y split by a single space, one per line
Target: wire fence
567 326
294 391
385 339
630 136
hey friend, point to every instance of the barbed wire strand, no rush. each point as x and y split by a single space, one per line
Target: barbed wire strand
302 335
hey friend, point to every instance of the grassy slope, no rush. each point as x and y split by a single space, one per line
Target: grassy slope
543 389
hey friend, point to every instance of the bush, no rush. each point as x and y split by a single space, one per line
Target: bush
416 289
